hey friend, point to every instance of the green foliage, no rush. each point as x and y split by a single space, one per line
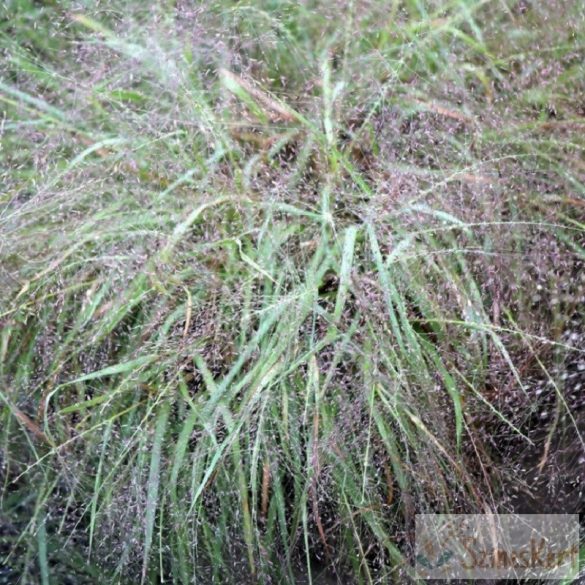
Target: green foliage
270 272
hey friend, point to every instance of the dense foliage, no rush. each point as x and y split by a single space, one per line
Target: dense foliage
276 276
